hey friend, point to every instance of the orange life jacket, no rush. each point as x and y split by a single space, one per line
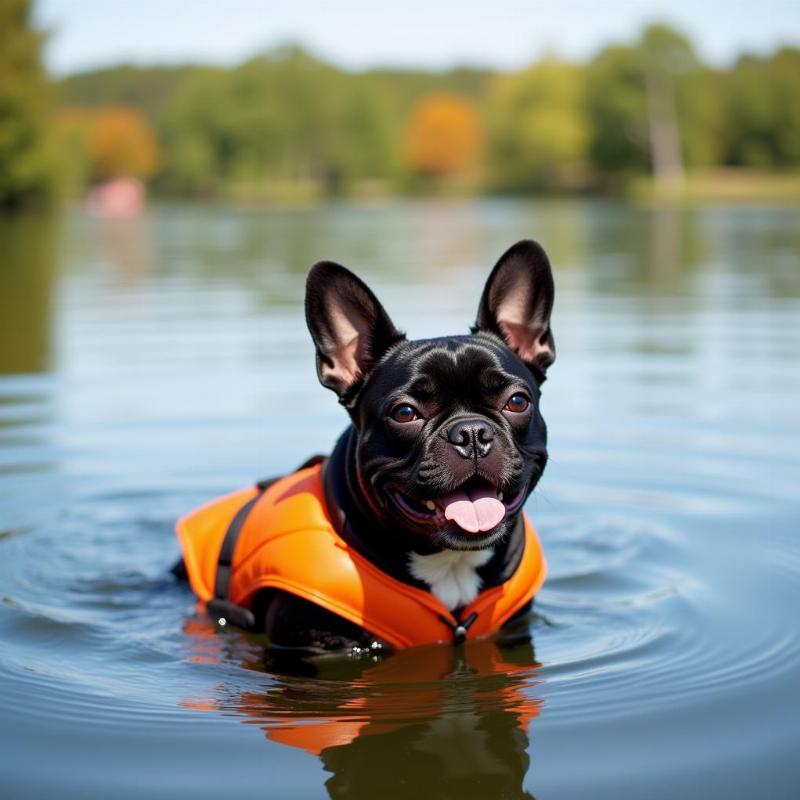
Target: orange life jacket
286 540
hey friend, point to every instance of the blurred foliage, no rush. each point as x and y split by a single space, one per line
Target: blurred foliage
121 143
283 117
28 169
539 128
110 142
762 111
615 104
621 82
444 136
286 125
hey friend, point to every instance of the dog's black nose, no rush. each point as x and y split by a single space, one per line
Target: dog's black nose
472 438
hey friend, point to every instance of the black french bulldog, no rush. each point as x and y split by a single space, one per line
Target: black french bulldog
445 445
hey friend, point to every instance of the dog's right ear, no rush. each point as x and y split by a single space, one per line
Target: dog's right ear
517 302
350 328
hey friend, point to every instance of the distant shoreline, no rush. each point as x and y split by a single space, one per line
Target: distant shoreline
745 187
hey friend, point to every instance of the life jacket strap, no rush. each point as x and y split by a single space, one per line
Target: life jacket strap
220 605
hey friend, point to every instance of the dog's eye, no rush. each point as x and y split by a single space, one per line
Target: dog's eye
517 403
404 413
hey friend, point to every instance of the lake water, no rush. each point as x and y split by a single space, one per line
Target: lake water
148 365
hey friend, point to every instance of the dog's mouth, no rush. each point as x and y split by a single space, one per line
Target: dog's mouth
476 506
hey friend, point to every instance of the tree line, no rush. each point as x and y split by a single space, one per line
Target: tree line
285 124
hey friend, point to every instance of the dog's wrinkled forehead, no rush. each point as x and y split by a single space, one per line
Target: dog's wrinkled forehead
455 368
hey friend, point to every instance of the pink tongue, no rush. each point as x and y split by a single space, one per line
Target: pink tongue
475 510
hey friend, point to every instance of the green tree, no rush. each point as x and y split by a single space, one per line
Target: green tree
26 164
653 107
762 111
360 144
538 127
286 119
283 116
615 101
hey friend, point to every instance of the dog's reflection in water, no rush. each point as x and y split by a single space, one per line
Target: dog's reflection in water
435 721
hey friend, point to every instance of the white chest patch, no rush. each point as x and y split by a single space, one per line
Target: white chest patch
450 574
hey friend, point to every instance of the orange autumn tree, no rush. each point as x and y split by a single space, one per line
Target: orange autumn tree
444 136
121 143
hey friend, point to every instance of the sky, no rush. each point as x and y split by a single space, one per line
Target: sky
503 34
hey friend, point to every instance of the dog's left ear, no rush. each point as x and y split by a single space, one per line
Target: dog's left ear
517 302
350 328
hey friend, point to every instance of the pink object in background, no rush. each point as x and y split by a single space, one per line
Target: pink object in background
121 197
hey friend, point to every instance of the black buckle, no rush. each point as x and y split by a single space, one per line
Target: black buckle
460 627
224 612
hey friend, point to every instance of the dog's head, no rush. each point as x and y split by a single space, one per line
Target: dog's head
450 438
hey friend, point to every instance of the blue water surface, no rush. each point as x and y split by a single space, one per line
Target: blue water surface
150 364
